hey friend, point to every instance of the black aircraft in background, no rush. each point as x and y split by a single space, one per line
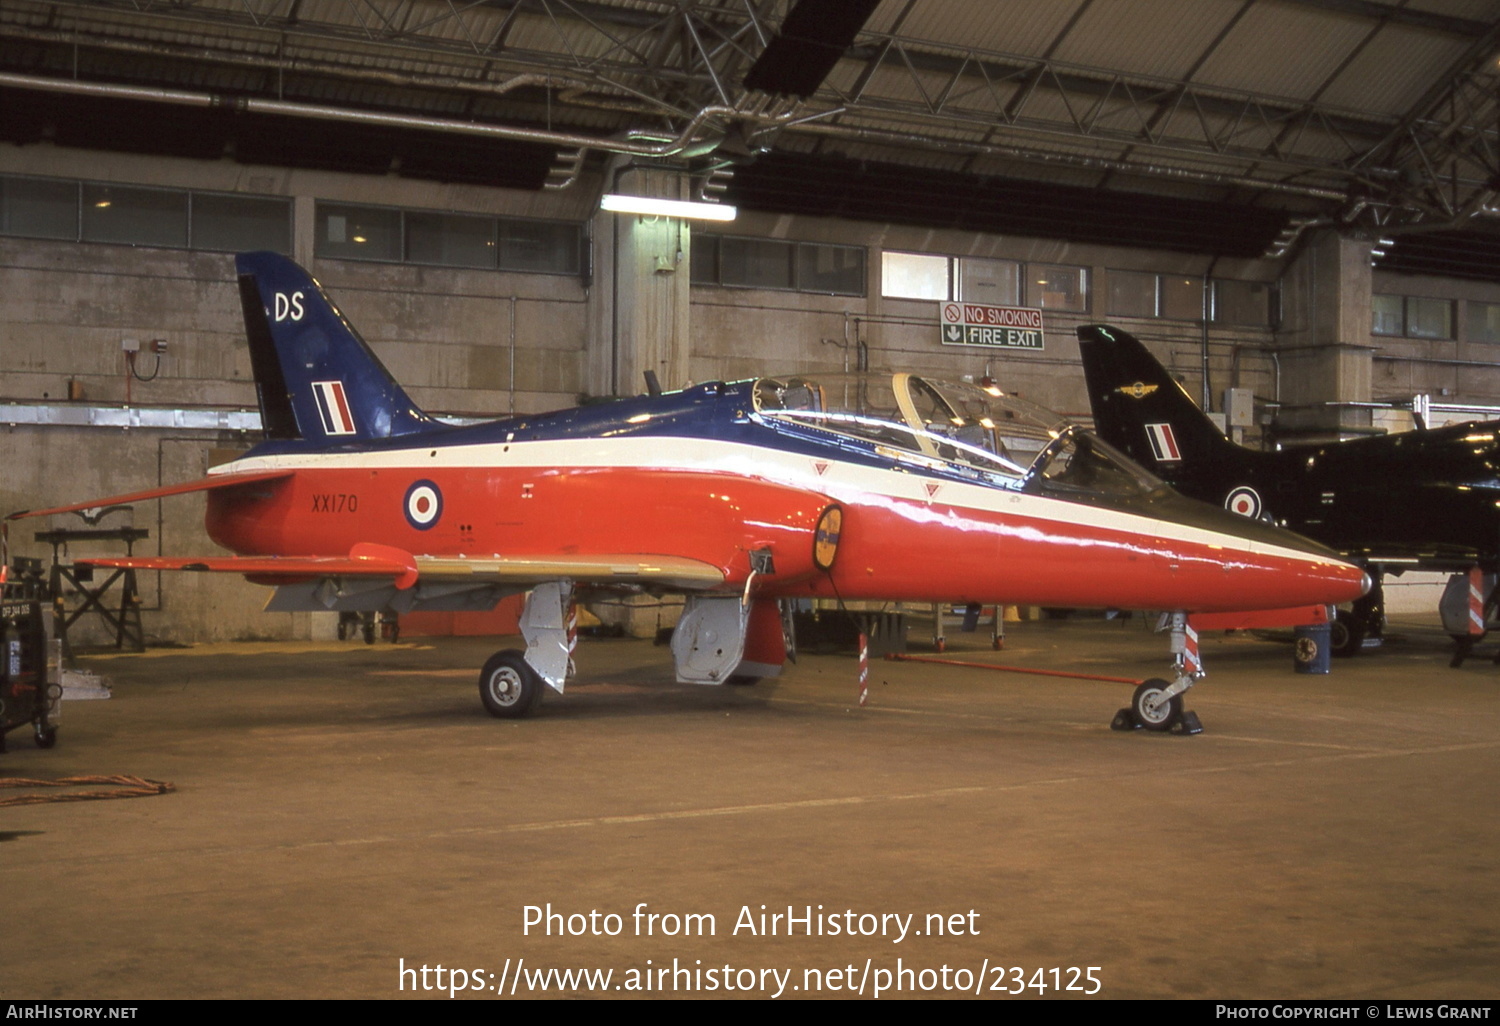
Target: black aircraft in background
1417 500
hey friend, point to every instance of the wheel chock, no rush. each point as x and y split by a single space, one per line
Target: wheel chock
1187 723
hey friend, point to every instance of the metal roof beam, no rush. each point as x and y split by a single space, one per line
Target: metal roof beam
1138 101
1431 20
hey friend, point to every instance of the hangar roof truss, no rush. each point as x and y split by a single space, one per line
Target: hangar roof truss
1376 114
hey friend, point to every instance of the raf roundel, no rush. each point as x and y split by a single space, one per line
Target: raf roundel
424 505
1243 500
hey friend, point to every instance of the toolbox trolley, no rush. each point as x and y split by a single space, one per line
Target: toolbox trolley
29 694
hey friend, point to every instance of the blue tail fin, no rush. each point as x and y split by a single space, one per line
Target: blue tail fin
317 379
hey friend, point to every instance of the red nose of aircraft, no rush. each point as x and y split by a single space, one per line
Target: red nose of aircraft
1261 566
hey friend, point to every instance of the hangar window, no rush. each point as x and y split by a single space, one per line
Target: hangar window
359 233
973 279
1484 322
739 262
427 237
39 208
1057 287
1390 316
1182 297
835 270
74 211
916 276
1429 318
1132 294
756 263
1412 317
231 223
450 240
992 282
546 247
144 217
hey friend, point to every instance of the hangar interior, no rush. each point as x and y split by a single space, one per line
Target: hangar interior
1292 199
1293 202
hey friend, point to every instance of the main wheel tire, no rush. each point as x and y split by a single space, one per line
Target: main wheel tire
1346 635
1151 710
508 687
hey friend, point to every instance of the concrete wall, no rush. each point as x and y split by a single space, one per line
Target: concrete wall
744 332
1447 370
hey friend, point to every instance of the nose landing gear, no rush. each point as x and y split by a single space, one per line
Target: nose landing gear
1157 705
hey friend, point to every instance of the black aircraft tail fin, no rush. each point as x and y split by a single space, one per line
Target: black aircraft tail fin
1141 409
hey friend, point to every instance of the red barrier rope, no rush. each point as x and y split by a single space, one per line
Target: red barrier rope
902 657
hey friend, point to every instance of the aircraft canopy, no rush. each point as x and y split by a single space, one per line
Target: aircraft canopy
982 432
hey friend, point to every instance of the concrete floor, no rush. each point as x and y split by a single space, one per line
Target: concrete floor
343 811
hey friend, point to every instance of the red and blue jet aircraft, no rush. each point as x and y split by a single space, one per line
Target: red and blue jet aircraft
739 495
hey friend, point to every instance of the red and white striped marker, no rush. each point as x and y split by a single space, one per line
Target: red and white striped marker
1191 663
864 668
1476 602
572 635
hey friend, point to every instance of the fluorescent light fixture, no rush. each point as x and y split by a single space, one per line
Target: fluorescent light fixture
667 208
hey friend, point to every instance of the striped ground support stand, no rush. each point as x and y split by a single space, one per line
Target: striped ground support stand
1476 602
1463 645
864 668
572 635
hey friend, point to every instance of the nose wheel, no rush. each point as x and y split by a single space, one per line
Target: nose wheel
1154 706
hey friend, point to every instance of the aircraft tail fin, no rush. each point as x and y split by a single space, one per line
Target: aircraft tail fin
316 377
1140 409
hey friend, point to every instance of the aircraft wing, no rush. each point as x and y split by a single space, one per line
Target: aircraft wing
205 484
671 571
371 560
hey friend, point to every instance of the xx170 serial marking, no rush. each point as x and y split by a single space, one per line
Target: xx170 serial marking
335 502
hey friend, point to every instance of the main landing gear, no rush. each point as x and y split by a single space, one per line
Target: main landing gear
1157 705
512 681
719 639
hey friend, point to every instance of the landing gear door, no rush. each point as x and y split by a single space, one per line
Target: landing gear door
546 624
710 638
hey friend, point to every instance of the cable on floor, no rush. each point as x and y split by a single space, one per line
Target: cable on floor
129 787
